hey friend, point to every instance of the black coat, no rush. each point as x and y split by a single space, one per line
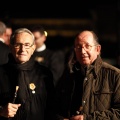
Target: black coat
97 92
4 51
35 103
53 60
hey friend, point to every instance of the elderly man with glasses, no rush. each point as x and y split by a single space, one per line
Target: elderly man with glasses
26 88
89 88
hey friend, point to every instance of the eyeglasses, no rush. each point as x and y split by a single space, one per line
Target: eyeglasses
86 47
26 45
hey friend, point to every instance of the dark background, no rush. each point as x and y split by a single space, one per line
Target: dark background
64 19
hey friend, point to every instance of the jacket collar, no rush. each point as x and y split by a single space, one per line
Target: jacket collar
95 67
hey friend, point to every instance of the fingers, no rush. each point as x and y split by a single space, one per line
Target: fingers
77 117
12 109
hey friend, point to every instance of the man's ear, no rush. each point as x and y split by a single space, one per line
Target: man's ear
44 38
98 48
33 48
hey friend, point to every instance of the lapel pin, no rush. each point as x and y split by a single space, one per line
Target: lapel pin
32 87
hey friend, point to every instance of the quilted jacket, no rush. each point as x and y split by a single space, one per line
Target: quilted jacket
100 96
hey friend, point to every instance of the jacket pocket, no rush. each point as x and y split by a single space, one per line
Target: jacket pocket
102 99
103 92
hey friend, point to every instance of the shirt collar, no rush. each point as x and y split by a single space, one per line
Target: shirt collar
43 47
1 39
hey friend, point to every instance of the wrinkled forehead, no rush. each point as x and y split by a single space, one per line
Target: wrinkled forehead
24 37
84 37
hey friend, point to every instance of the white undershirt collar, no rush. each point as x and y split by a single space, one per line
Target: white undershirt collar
1 39
43 47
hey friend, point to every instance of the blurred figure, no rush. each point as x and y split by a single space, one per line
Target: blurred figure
4 49
89 88
53 60
9 31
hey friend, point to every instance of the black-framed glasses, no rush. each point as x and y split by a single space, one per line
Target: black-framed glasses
26 45
86 47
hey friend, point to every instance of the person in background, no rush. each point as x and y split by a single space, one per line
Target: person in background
9 31
89 88
45 56
26 87
4 49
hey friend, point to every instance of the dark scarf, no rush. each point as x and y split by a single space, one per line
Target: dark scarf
22 76
23 79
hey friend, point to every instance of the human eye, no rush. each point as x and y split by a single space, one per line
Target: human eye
27 44
78 47
17 44
87 46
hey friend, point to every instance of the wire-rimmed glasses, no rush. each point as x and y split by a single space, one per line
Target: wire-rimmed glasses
26 45
87 47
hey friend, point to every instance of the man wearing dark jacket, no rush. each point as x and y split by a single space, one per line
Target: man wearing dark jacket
89 88
54 60
4 49
26 87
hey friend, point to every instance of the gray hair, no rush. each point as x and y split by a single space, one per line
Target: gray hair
2 28
18 31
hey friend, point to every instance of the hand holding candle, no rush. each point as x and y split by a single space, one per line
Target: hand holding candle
15 95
